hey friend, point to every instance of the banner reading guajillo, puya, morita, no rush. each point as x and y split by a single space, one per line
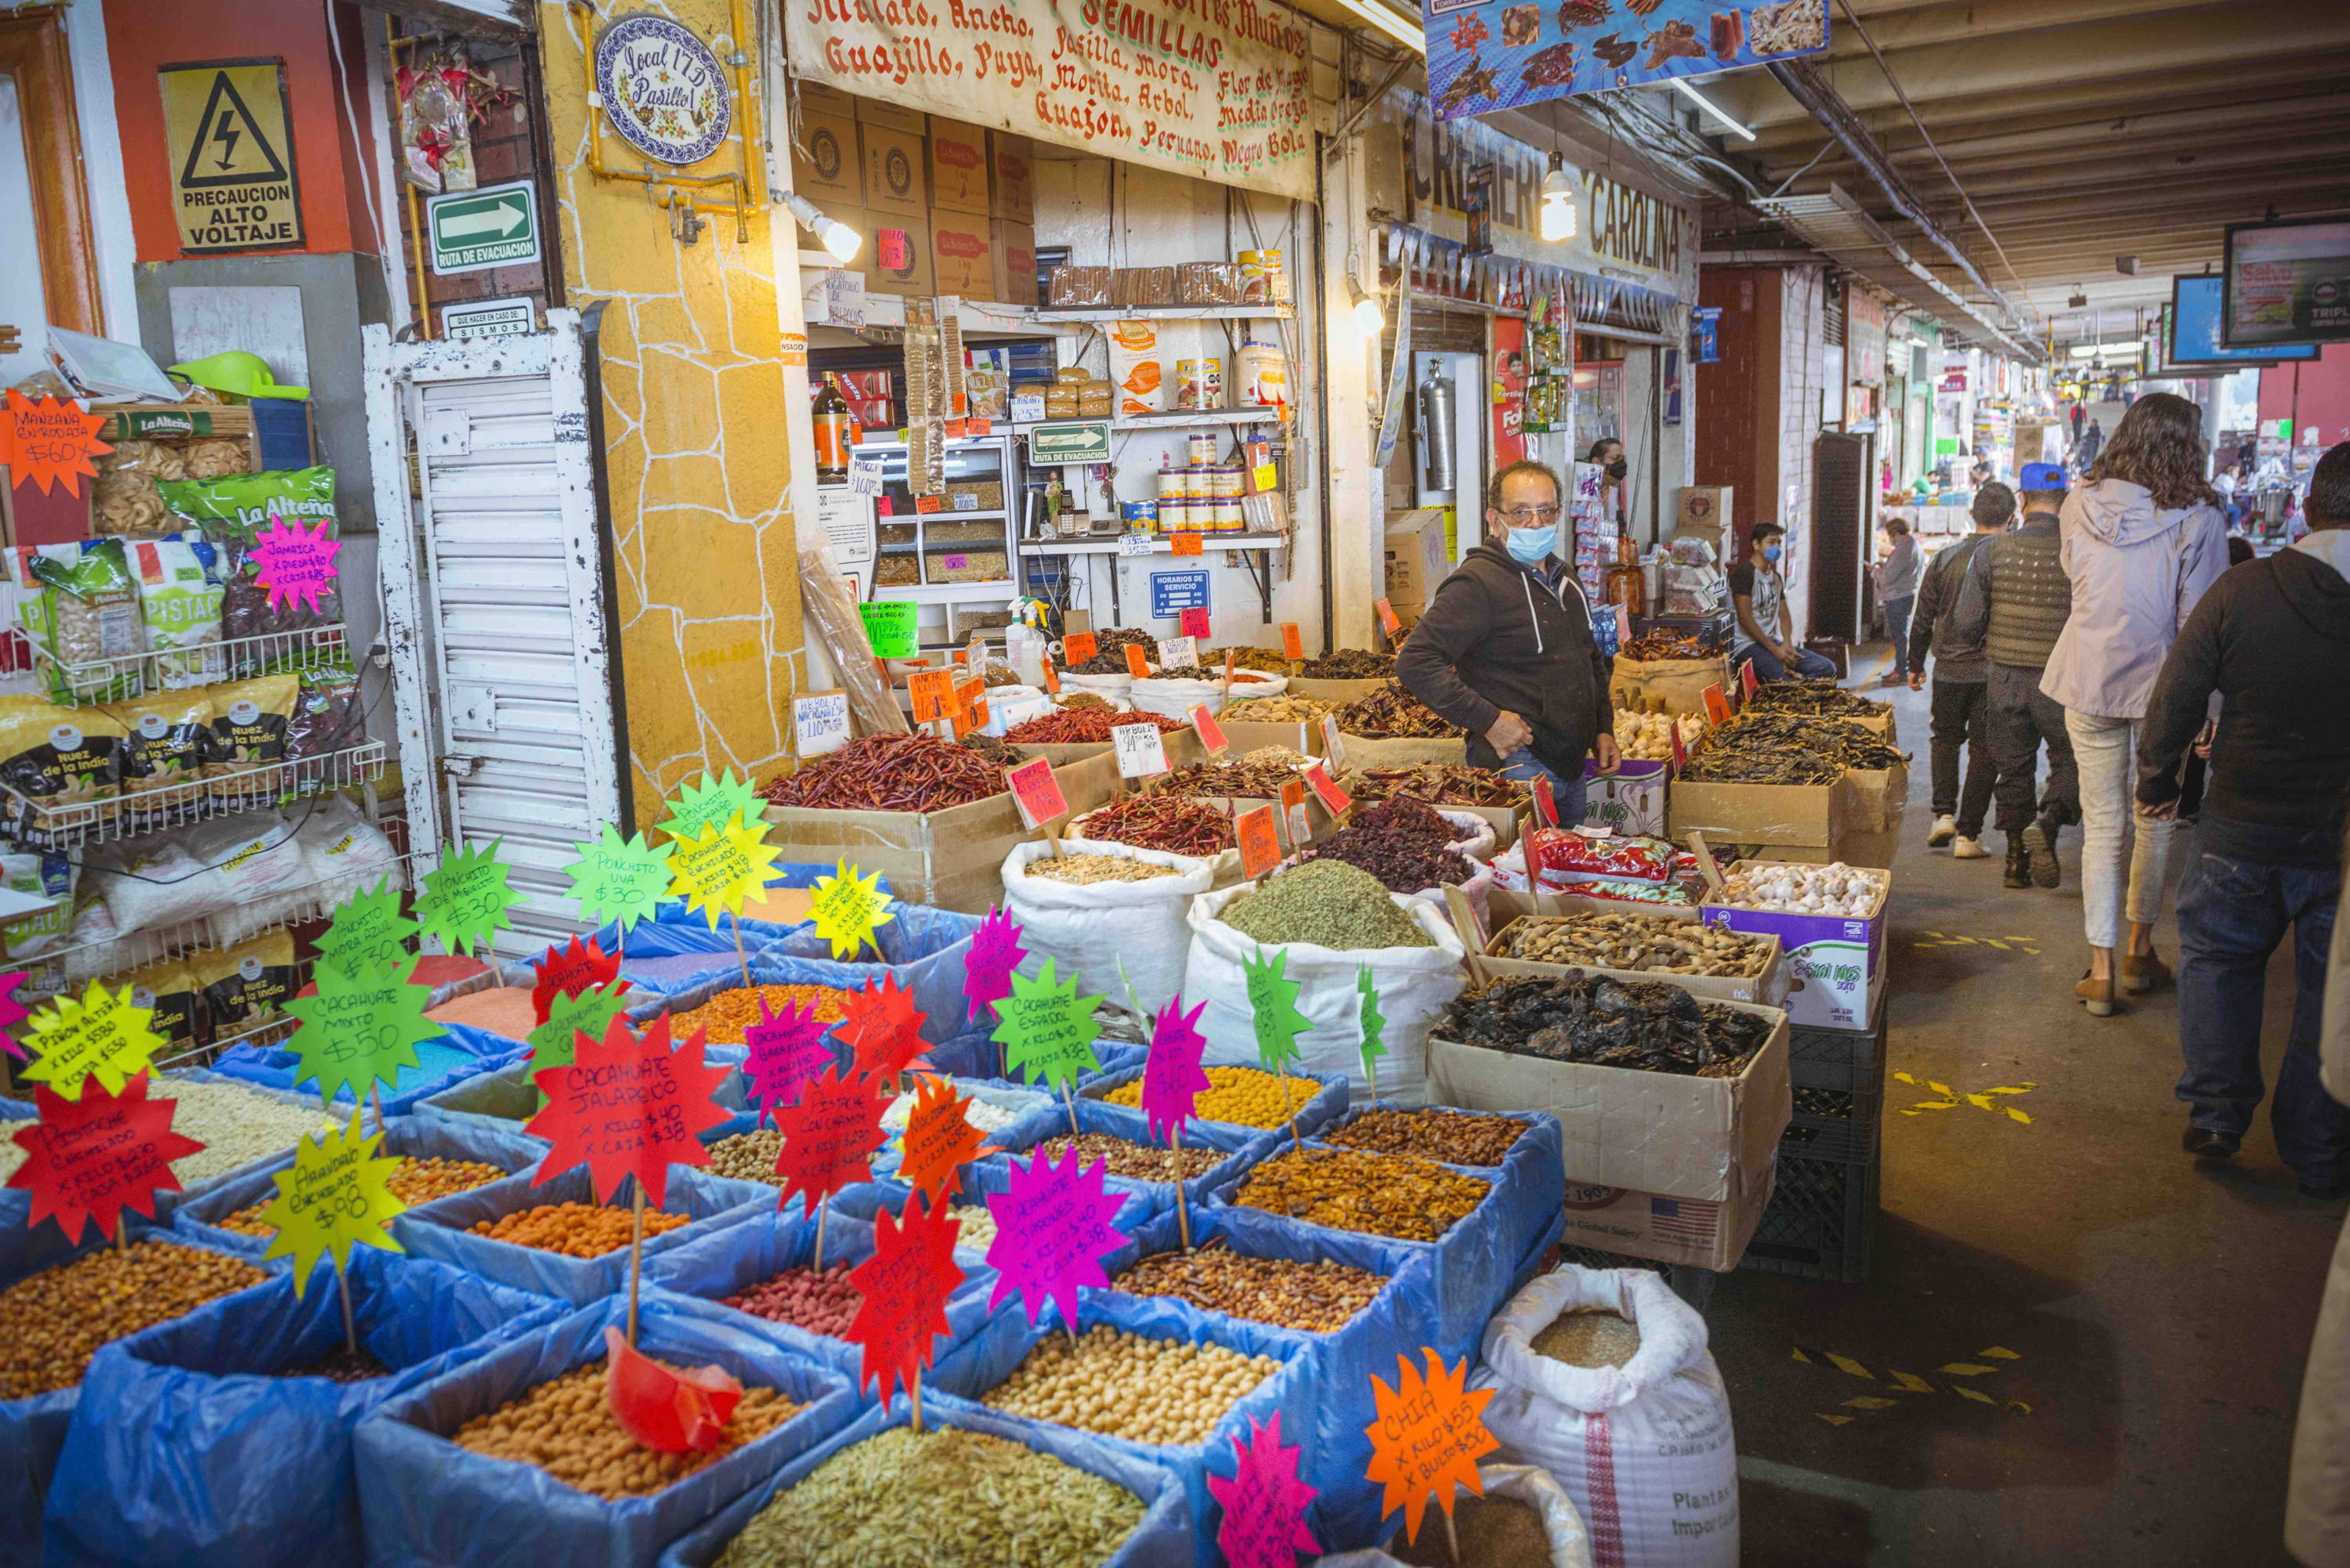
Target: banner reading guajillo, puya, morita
1214 89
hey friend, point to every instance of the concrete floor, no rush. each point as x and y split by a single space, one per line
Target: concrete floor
2158 1313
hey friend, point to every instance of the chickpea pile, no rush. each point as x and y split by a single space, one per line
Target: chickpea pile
566 1428
1135 1161
978 1226
748 1156
574 1229
1376 1194
55 1321
1159 1391
417 1181
1242 1096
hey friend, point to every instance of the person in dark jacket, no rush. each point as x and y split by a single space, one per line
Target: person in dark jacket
1961 706
1505 650
2272 638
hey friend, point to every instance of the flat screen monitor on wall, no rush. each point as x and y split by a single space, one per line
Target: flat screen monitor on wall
2190 338
2286 282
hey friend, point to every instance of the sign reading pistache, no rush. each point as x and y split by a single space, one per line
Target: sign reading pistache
1212 89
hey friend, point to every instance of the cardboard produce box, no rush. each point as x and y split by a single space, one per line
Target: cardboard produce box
958 167
1696 1154
1706 509
833 170
880 111
1835 964
1880 796
896 179
1416 561
1183 748
900 256
1011 254
1763 813
952 859
1013 190
1766 989
961 261
1629 801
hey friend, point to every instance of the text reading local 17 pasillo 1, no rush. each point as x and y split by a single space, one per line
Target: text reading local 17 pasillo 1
240 217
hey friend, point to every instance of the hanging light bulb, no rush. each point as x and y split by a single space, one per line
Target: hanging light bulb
1370 319
1558 196
840 242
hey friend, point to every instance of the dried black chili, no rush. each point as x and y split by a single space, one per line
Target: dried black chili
1402 843
1393 713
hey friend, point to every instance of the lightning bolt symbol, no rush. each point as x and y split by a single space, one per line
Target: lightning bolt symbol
226 133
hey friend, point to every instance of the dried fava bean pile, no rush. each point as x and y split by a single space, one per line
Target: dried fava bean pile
819 1303
1327 902
417 1181
1402 843
1350 664
1096 869
1163 1392
1588 1336
1437 784
575 1230
1281 710
1320 1298
981 1501
1648 1025
1137 1161
1456 1137
1375 1194
1495 1532
748 1156
1393 713
978 1226
1169 821
1656 943
726 1015
1242 1096
53 1321
565 1426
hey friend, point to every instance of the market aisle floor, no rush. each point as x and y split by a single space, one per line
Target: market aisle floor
2158 1314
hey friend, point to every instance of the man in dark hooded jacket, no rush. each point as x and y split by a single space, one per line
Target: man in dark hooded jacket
1505 650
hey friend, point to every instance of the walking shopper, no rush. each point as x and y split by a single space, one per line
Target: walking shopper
2142 540
1758 592
2014 600
1506 650
1961 701
1897 593
2268 636
2091 442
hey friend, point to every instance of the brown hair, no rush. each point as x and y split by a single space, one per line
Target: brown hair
2158 444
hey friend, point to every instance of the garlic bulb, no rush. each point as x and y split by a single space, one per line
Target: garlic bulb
1849 892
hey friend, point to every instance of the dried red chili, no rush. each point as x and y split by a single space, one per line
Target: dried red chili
1075 724
889 773
1174 823
1402 843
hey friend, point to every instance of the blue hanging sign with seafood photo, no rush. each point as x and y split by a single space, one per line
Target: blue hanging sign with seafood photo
1485 55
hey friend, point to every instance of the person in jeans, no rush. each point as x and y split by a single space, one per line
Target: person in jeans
1764 635
2272 638
1961 702
2014 601
1507 650
2142 539
1897 593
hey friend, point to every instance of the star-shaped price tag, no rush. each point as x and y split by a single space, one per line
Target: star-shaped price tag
360 1027
589 1013
294 565
628 1104
335 1196
881 1025
87 1161
939 1138
1273 1006
1047 1030
830 1136
51 442
1373 1025
788 1049
570 968
1427 1439
1265 1502
723 869
466 898
1051 1230
995 952
848 909
713 800
367 927
102 1035
905 1285
621 880
1172 1075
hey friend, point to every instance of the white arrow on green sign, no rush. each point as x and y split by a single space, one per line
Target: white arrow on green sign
470 231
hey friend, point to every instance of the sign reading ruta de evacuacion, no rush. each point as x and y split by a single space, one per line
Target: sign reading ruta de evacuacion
469 231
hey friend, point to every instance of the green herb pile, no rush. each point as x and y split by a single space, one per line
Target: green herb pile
1327 902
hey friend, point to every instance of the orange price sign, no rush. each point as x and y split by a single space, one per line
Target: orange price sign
1136 665
1079 646
933 693
928 504
1293 645
1293 813
50 442
1052 677
1194 623
1211 735
1428 1437
1260 842
970 706
1186 542
1388 617
1327 790
1717 705
1747 679
1035 792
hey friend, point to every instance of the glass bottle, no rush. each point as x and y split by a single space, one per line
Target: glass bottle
836 430
1626 583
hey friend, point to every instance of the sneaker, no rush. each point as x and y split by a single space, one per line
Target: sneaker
1965 848
2204 1143
2040 849
1946 827
2019 862
2325 1191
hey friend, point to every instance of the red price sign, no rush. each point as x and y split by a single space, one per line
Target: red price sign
1186 542
1136 665
1327 790
1293 645
933 693
1036 792
1079 646
1211 735
1388 617
928 503
1546 803
1717 703
1195 624
1260 842
1747 679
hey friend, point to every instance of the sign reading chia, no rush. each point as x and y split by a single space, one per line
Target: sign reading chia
469 231
663 91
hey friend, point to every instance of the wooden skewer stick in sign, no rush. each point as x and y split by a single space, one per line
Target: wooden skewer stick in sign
1705 866
351 1328
635 1251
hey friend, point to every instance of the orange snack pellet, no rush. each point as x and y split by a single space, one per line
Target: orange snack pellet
574 1229
416 1181
726 1015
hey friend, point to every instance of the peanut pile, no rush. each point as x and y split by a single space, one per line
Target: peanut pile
748 1156
1138 1161
1242 1096
1456 1137
574 1229
1375 1194
1320 1298
566 1428
978 1226
55 1321
417 1181
1163 1392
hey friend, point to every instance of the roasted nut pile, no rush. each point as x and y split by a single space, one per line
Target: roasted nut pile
1588 1336
1376 1194
1281 710
1242 1096
1456 1137
728 1013
983 1502
1163 1392
1096 869
575 1230
978 1226
1139 1162
748 1156
1320 1298
53 1321
417 1181
818 1302
1655 943
566 1428
339 1365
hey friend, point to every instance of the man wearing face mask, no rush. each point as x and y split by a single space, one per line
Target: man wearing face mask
1505 650
1607 452
1759 593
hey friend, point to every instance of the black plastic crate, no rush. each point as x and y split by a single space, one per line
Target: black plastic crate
1836 1124
1849 1059
1821 1221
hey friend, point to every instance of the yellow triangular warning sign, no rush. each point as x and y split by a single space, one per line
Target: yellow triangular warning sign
229 148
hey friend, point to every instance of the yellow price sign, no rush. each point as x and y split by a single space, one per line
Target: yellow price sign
848 909
335 1196
103 1035
721 869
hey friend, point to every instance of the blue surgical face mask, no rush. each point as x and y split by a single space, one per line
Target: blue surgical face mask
1771 554
1527 545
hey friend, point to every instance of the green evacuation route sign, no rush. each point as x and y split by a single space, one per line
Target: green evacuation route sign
470 231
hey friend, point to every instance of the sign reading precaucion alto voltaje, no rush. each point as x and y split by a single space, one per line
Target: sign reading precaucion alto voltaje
231 143
471 230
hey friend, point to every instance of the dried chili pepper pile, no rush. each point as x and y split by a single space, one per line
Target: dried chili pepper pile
1785 749
1651 644
1644 1024
1393 714
988 746
1815 699
1438 783
1071 725
1173 823
1351 664
1271 659
1258 775
889 773
1402 843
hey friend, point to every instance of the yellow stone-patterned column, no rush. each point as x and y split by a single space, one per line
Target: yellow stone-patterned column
694 410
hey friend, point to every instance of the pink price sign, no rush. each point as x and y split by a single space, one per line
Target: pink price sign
787 1050
1327 790
292 563
1194 623
1211 735
1036 792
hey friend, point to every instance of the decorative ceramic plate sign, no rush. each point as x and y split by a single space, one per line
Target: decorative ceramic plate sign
663 91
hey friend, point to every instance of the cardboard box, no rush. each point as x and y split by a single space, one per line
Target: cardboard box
1630 802
1013 190
1763 813
1183 748
816 98
897 258
1416 561
876 111
960 257
1835 965
958 168
1014 253
1669 1230
1705 509
1880 794
833 172
1767 989
1297 734
895 178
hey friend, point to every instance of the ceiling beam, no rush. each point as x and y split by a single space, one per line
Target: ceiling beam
1991 19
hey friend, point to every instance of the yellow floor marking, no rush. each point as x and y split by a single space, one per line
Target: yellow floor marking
1996 1354
1901 1382
1847 1365
1834 1420
1980 1398
1964 1369
1951 1099
1870 1402
1910 1383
